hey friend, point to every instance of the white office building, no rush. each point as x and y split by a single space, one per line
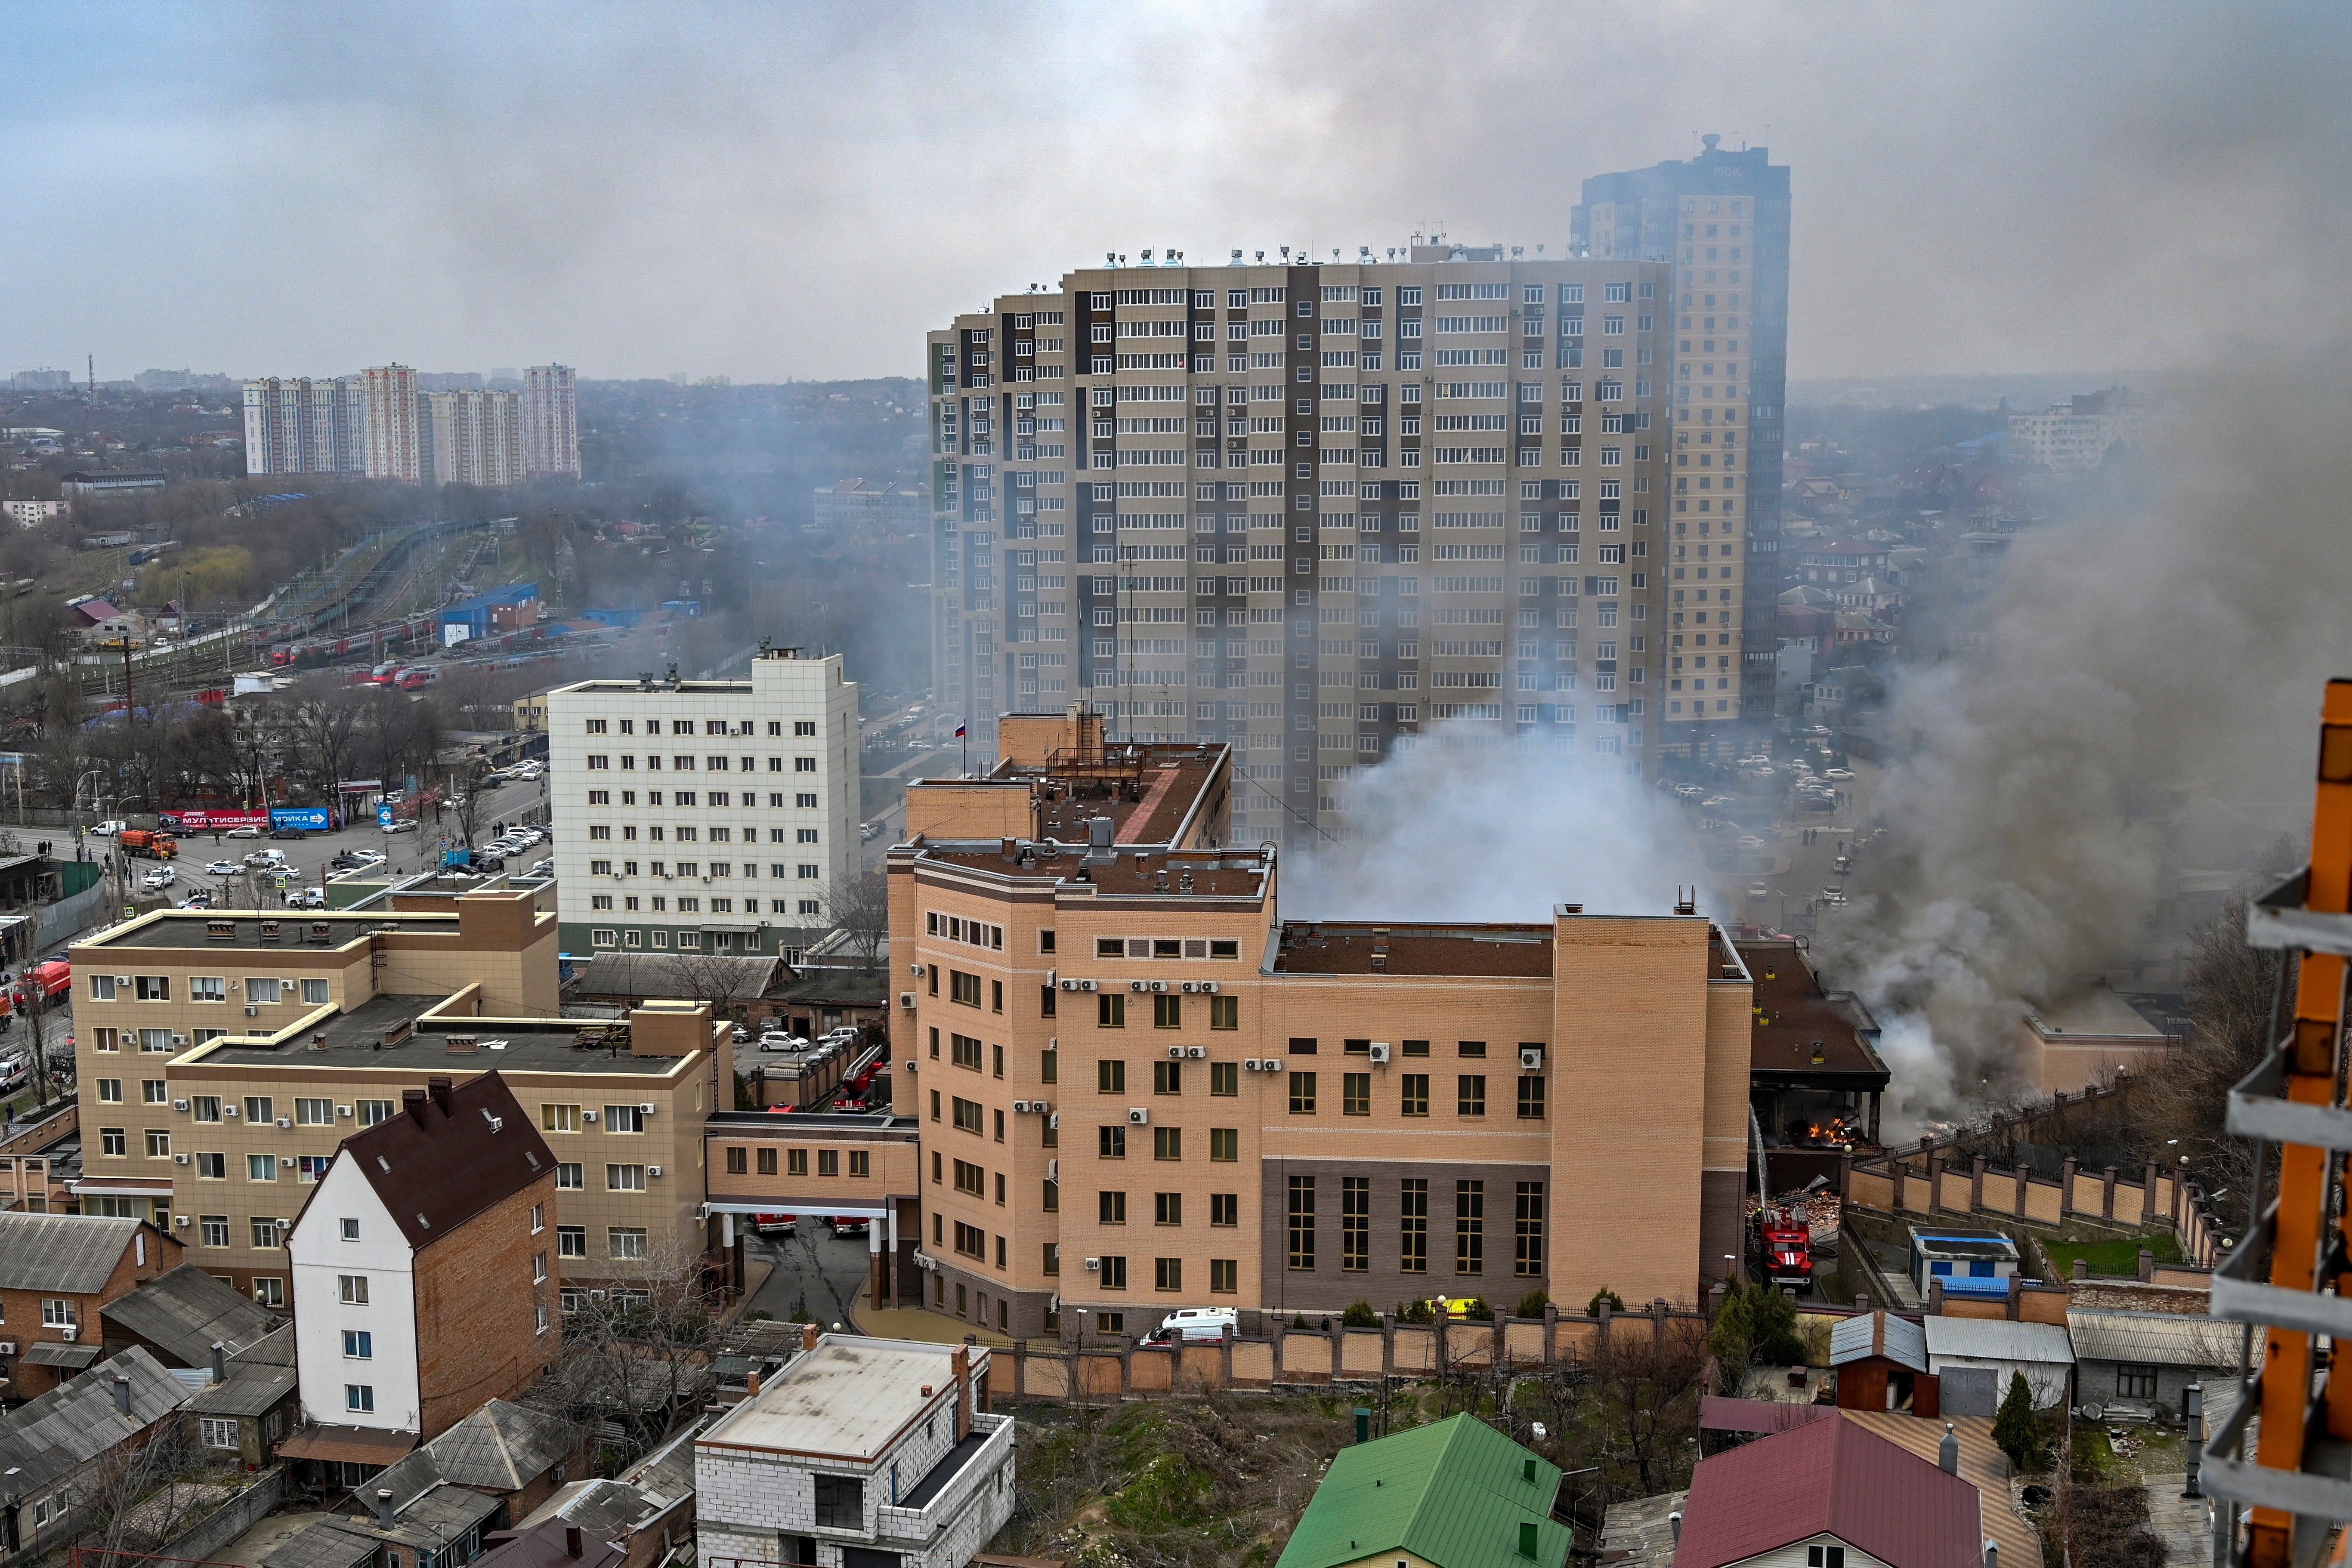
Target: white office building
716 817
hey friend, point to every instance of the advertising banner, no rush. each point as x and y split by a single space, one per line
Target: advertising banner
312 819
213 821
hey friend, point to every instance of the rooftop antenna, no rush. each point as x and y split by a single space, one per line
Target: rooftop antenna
1286 253
1363 253
1335 253
1110 258
1391 252
1236 260
1147 257
1261 255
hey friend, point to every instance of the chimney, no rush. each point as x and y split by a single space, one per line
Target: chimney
2192 1409
1948 1452
385 1518
122 1394
413 1102
962 1362
220 1363
808 1337
572 1541
1674 1525
443 1091
1991 1554
751 1386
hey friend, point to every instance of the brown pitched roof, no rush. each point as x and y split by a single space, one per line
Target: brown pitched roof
450 1153
1829 1477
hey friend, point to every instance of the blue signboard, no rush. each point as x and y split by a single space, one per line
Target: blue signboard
312 819
384 816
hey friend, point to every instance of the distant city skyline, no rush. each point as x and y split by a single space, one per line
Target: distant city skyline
1998 187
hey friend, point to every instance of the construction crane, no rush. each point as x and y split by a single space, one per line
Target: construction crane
2289 1279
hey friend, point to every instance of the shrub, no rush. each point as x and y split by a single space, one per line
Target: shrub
2016 1430
1532 1304
1298 1321
1361 1315
1415 1312
1478 1312
1616 1302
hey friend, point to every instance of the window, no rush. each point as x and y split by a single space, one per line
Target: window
218 1433
359 1344
57 1314
737 1161
964 988
213 1229
1531 1097
311 1112
109 1091
1224 1012
1469 1227
260 1110
1167 1143
1355 1224
2134 1382
349 1228
351 1290
1110 1207
624 1119
1168 1274
572 1241
1167 1078
1355 1093
967 1116
1224 1276
263 991
1825 1557
371 1111
212 1166
1224 1144
158 988
314 992
101 987
624 1178
205 1108
568 1178
207 988
261 1168
860 1163
1301 1222
1111 1077
1302 1094
159 1144
626 1242
840 1503
1413 1093
1412 1226
359 1398
1528 1229
1111 1010
1114 1278
964 1051
1225 1077
1168 1011
1470 1094
970 1240
265 1234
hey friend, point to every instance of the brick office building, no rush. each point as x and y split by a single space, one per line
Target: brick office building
1137 1087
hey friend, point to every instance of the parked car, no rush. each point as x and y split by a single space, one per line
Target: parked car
309 898
544 867
1757 890
297 834
266 859
223 868
247 831
200 899
107 830
1195 1325
161 877
1840 774
408 826
773 1041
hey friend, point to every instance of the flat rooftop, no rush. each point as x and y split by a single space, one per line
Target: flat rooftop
382 1032
2094 1010
1343 947
1798 1015
1146 790
1131 871
849 1398
189 928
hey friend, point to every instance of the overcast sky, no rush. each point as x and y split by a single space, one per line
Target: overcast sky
773 189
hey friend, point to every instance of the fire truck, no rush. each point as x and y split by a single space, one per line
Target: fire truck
1788 1247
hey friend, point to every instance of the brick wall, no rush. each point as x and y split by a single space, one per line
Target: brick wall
477 1335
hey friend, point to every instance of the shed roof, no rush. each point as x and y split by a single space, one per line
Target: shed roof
183 1312
546 1545
1898 1339
70 1254
2158 1339
1997 1338
1829 1477
53 1436
257 1380
501 1447
1453 1494
650 975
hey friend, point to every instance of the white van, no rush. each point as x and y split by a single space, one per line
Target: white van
1196 1325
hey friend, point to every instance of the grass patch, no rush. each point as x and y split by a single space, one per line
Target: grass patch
2119 1256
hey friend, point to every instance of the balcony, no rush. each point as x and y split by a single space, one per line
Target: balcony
940 1497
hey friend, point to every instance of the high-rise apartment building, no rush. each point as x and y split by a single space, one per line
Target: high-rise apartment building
1721 221
1312 511
705 816
390 430
551 422
304 426
471 438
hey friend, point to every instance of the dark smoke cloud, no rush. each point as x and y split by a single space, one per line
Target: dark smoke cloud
801 189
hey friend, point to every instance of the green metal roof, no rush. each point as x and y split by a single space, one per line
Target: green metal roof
1453 1494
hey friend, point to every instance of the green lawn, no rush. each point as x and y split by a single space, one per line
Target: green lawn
2112 1258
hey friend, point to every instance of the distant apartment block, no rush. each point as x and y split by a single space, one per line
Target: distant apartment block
41 381
110 484
2076 433
1721 220
1312 511
390 436
298 426
28 514
471 438
551 422
712 817
891 505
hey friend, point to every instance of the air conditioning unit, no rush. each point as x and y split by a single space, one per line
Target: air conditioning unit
1053 1120
284 1121
71 1332
702 1211
1085 984
916 970
1530 1059
653 1170
1070 985
1274 1064
1380 1051
1196 1052
587 1115
1052 974
907 1000
645 1107
179 1105
1094 1265
229 1111
1139 984
1136 1115
1176 1051
342 1110
1189 987
8 1347
286 1162
179 1040
179 1159
1159 985
122 979
251 1011
912 1065
1053 1170
1209 987
1020 1107
179 1219
1253 1065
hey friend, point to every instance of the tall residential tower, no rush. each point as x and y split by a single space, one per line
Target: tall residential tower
304 426
1721 221
551 423
1312 510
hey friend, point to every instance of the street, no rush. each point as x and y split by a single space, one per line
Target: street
815 1272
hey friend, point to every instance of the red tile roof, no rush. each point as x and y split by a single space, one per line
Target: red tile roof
449 1155
1830 1478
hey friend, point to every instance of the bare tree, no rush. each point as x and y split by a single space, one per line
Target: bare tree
701 976
1641 1393
139 1496
637 1349
862 909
